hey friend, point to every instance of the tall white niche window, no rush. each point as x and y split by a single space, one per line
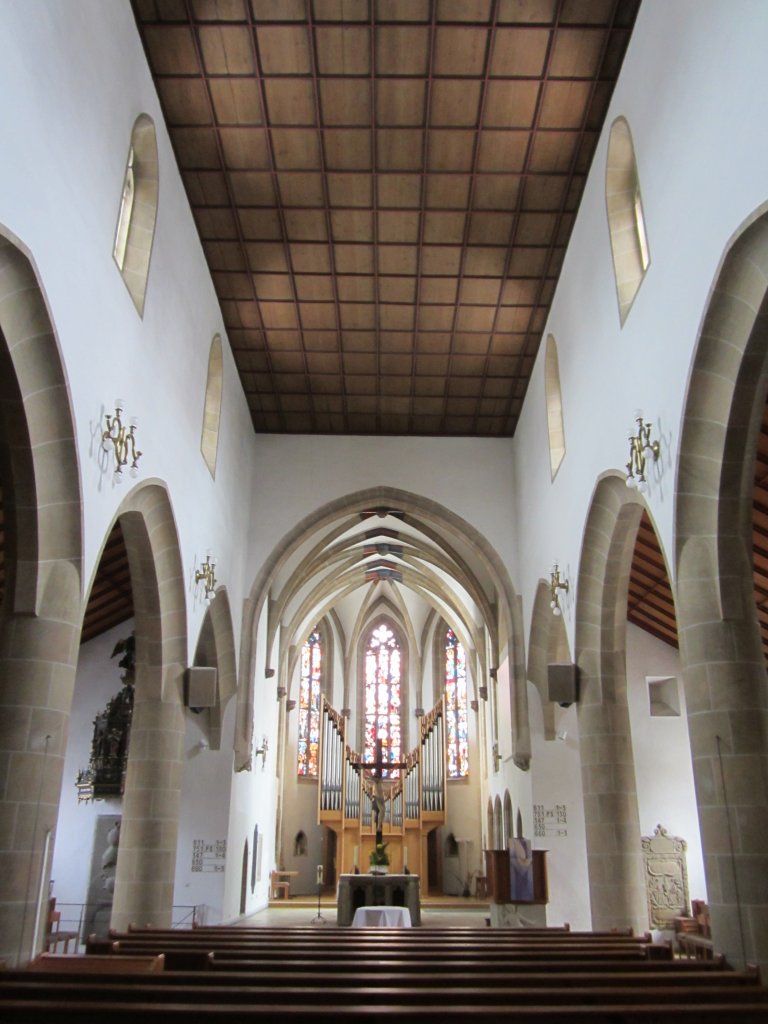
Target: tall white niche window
626 222
138 211
554 407
209 443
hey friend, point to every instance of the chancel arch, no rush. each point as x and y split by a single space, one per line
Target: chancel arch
423 531
369 566
720 644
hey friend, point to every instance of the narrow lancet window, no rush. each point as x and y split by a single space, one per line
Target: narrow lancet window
309 704
456 707
383 683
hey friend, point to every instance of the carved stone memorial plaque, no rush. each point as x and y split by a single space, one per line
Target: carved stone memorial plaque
666 877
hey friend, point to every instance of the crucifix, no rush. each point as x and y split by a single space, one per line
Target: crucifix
376 770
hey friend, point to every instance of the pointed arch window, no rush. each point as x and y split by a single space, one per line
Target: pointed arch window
309 704
457 729
383 695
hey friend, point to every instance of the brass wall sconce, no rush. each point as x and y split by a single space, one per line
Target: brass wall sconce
262 751
120 440
206 575
639 444
556 583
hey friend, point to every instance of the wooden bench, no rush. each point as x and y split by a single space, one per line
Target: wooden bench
73 963
548 979
287 1011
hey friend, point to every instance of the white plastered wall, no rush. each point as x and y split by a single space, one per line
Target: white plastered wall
73 83
662 749
691 88
66 120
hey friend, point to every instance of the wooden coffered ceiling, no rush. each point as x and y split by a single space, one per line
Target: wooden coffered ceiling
384 190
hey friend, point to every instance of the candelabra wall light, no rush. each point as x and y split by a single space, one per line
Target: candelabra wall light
120 440
262 751
556 583
639 444
206 575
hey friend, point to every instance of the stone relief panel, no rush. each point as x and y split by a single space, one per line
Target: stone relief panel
666 877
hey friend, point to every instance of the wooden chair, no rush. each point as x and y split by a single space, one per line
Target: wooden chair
54 934
278 886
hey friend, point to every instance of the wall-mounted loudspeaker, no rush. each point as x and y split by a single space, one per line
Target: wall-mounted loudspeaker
563 684
200 687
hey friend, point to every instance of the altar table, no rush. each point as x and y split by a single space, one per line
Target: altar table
381 917
356 891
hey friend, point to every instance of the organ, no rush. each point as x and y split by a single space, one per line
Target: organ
414 795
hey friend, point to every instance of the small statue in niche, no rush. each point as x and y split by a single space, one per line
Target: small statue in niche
300 844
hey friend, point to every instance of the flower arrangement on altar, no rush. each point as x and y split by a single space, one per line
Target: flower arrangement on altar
379 858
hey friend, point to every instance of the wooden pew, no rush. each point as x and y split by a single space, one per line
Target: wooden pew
412 995
427 976
32 1011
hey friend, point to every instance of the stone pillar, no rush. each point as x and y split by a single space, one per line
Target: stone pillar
611 817
727 699
146 863
37 673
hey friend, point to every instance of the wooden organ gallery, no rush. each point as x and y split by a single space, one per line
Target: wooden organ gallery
413 796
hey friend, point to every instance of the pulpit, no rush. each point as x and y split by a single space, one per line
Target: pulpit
377 891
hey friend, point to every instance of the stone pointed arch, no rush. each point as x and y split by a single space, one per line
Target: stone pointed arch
216 649
548 644
137 215
626 220
40 452
508 604
151 802
209 442
720 648
616 881
42 607
509 820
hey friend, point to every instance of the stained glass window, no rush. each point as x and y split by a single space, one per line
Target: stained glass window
456 707
382 695
309 704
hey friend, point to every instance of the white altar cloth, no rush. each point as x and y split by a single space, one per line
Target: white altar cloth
381 917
